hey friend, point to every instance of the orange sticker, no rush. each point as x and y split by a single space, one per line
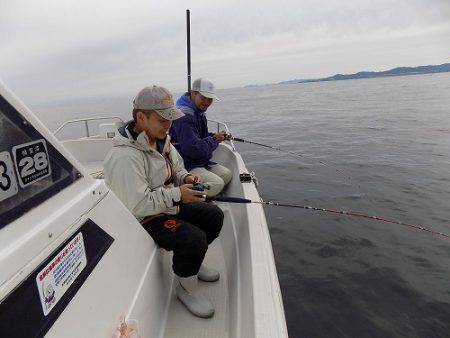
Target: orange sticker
172 225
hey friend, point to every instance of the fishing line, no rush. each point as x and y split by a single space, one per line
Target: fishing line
288 152
326 210
278 148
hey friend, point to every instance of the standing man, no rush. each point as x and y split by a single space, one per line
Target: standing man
147 174
194 142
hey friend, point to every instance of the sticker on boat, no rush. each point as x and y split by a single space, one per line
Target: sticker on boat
31 161
57 276
8 183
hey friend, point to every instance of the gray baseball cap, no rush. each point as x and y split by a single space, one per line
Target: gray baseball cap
158 99
205 87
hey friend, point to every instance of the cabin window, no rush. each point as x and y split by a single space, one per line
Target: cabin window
31 169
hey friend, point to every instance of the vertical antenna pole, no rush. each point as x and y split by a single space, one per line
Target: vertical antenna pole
188 35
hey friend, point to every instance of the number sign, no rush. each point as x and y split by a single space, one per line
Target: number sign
31 161
8 183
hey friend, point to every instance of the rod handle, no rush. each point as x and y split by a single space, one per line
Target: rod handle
228 199
238 139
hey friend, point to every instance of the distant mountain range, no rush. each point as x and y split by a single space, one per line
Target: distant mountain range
391 72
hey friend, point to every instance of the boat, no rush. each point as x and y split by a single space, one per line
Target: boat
74 262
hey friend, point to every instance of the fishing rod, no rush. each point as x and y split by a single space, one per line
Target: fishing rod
327 210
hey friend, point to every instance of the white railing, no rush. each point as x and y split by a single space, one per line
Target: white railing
225 128
219 125
86 120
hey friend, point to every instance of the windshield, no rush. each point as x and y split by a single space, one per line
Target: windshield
31 169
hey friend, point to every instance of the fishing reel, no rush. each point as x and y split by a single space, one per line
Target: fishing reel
200 186
226 136
248 178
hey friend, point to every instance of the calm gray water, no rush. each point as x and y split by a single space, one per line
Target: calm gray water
386 143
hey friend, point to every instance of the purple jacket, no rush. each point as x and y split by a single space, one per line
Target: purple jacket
191 137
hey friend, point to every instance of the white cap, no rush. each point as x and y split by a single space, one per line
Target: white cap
205 87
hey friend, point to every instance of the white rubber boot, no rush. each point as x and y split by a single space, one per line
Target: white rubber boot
187 292
208 275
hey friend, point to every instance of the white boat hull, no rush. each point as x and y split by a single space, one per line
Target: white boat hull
131 277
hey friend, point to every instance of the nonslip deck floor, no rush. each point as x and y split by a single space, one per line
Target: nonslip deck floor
181 323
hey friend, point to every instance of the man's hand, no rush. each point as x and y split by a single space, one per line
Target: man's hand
191 178
220 136
188 195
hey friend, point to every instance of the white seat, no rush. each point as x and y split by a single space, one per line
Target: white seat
108 130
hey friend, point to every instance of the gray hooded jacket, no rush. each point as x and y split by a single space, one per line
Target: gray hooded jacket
139 175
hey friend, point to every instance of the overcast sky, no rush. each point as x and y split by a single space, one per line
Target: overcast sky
61 49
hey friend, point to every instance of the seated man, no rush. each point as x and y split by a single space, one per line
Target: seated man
147 174
193 141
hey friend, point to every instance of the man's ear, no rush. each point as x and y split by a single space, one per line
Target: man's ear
139 116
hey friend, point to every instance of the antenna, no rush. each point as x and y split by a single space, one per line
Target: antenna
188 36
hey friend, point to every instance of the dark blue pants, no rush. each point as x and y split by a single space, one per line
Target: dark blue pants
187 234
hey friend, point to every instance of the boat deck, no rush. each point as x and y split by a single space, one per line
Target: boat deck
179 320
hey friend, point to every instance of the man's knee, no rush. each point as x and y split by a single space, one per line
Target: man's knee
218 220
215 186
227 175
224 173
216 214
215 222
